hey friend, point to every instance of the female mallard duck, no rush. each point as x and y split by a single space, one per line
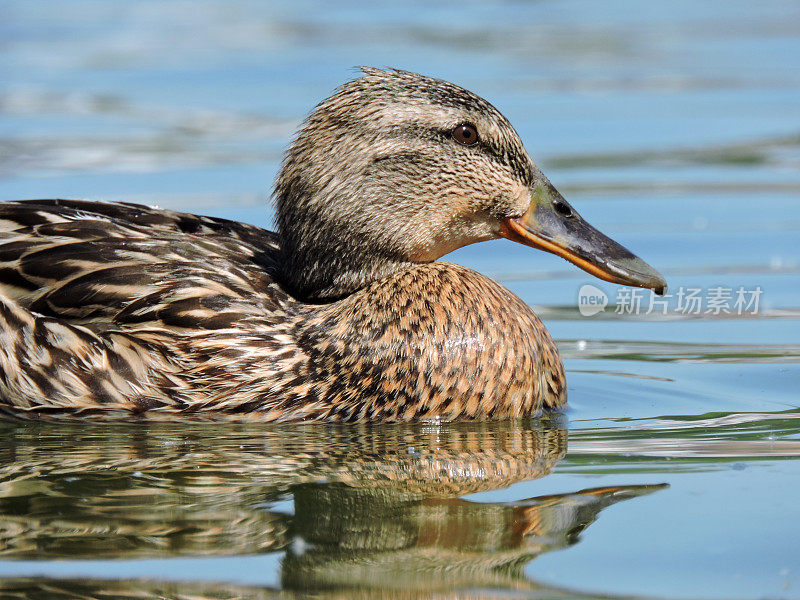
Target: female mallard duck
115 310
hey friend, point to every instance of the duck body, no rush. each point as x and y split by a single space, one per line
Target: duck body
112 310
115 311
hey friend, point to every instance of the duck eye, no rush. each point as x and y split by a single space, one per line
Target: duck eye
465 134
562 208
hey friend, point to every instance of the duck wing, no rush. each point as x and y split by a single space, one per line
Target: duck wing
98 264
119 308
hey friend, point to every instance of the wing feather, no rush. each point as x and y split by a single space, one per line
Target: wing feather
96 263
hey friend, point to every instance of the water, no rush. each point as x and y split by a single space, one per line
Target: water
673 127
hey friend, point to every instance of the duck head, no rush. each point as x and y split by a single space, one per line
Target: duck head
396 168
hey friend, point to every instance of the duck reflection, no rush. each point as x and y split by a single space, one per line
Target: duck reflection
377 509
373 542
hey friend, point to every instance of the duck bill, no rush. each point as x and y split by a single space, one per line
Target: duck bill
551 224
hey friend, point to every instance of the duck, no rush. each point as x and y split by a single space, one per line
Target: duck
343 314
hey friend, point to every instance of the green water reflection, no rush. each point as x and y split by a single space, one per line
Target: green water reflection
377 510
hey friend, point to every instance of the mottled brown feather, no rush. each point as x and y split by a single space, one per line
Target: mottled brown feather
161 323
115 310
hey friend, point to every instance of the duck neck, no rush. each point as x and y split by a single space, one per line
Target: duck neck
325 279
324 268
334 240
